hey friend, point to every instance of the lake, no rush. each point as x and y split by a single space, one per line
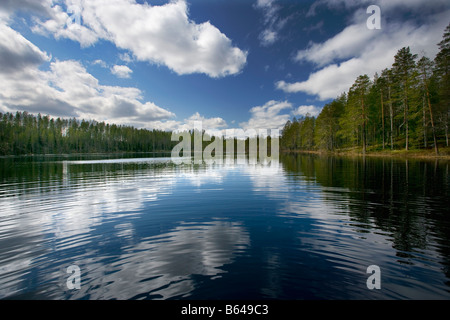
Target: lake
305 227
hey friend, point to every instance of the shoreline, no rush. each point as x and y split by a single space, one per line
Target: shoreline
399 154
81 154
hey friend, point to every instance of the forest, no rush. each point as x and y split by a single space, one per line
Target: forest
23 133
402 107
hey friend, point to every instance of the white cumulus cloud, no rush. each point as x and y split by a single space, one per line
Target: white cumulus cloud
303 111
16 52
268 116
162 34
121 71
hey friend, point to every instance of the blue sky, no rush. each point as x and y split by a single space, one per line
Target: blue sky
232 64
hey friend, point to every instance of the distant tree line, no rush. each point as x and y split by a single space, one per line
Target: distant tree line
24 133
406 106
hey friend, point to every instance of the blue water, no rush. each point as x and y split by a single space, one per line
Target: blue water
306 227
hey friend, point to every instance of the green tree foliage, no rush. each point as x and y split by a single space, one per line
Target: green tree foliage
24 133
299 134
403 70
424 67
442 75
405 106
357 106
328 125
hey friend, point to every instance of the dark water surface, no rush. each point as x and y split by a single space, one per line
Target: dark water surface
307 227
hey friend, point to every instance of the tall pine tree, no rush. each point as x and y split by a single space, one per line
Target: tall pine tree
403 70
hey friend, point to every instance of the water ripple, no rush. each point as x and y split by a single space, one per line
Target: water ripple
145 229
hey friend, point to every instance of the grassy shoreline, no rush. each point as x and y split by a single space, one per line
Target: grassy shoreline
444 153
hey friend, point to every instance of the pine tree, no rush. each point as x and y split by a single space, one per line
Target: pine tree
403 69
358 96
386 76
425 66
442 71
380 88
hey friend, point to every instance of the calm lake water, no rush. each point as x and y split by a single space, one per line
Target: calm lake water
306 227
